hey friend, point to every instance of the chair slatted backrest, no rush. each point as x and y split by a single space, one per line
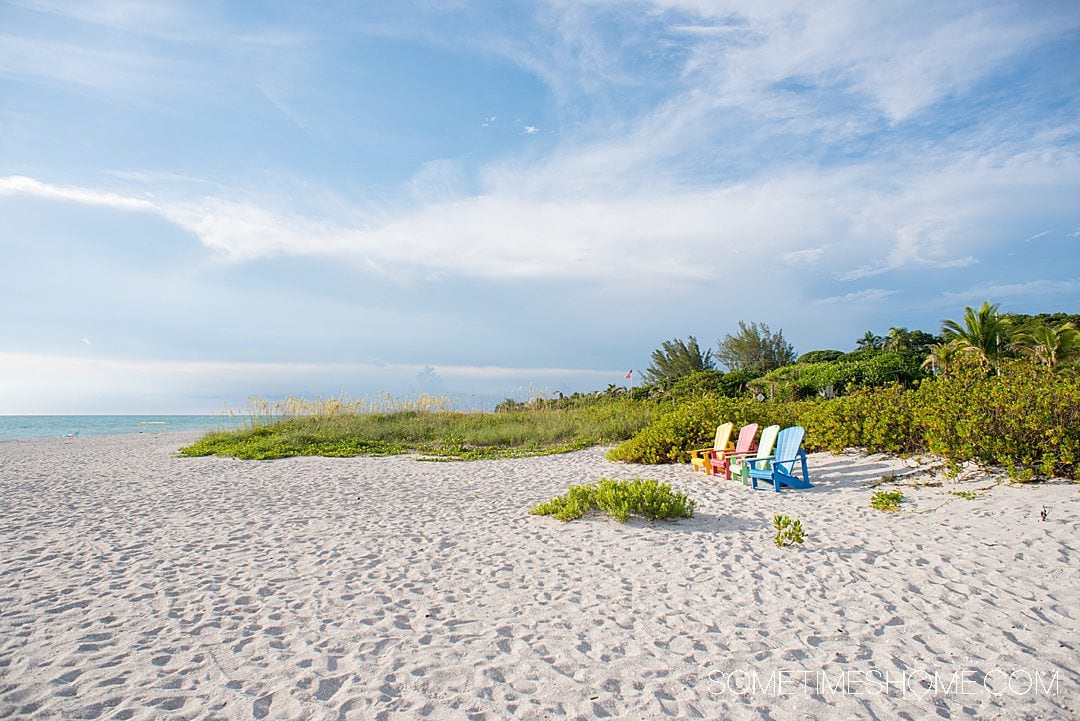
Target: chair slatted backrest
787 448
746 438
768 440
764 449
723 436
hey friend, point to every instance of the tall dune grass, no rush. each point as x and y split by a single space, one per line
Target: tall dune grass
343 427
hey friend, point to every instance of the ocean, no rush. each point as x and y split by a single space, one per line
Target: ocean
15 427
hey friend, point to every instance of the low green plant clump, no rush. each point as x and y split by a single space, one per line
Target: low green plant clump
788 531
267 442
888 501
619 499
966 495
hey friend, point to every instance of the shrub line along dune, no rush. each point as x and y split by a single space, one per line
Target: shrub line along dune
994 389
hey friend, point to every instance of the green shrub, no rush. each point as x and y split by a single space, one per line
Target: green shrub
888 501
820 356
807 379
619 499
966 495
575 503
699 383
788 531
691 424
1025 419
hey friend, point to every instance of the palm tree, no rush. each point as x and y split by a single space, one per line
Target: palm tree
869 341
942 356
1050 346
985 334
897 339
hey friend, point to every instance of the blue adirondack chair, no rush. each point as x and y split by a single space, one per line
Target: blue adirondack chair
780 469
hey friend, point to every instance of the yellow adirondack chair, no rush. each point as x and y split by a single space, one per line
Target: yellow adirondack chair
699 457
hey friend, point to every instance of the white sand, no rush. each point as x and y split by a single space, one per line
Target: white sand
138 585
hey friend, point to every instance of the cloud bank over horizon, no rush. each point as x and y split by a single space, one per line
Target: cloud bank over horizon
536 185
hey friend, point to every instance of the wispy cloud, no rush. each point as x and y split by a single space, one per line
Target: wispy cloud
1070 289
805 256
904 61
21 185
846 221
869 295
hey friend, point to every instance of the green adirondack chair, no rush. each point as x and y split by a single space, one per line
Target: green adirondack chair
764 450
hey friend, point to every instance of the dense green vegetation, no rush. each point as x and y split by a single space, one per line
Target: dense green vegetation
995 388
619 499
1021 416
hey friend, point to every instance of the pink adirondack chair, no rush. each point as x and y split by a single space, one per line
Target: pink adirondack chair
720 461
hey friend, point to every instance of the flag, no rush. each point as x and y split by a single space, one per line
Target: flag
629 373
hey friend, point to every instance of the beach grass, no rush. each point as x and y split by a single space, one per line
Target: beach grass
436 434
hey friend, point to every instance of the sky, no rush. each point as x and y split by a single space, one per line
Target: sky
201 202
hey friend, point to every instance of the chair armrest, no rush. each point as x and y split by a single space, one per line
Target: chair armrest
750 462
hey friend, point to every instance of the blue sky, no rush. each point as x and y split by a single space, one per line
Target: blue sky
205 201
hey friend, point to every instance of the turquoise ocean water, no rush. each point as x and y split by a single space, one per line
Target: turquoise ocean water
14 427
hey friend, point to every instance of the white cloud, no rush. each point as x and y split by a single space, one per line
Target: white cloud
869 295
547 222
21 185
530 130
805 256
904 58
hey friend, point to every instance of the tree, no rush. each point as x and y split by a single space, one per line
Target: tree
902 340
1049 346
984 334
941 358
896 339
869 341
755 348
675 359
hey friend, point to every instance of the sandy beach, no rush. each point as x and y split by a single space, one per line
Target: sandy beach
138 585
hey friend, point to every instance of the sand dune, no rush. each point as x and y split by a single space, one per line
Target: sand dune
138 585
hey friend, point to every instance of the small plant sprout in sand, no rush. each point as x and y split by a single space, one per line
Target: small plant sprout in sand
966 495
788 531
888 501
619 499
